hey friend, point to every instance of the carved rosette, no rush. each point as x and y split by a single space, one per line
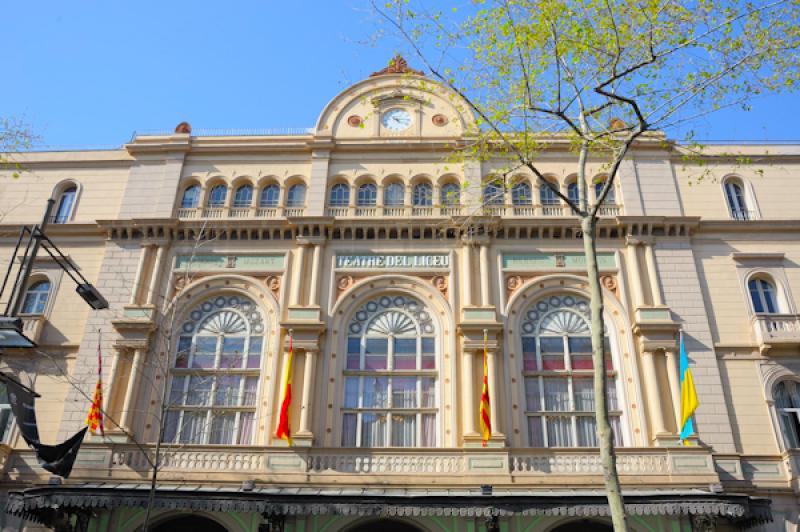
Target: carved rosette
514 282
343 282
610 283
441 283
273 282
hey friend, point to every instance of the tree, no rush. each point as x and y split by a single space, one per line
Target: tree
598 77
15 135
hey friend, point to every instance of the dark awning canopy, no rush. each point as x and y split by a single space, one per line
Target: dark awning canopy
35 503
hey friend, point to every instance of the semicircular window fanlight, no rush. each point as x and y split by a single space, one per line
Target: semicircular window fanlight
224 322
392 322
563 322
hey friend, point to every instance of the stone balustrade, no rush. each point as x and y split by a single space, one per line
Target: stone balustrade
773 330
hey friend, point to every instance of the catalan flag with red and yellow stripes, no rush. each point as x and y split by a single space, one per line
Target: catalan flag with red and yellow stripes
95 418
284 430
485 415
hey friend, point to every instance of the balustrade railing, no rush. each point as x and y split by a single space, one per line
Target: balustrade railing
290 212
421 211
239 212
450 210
551 210
773 329
394 211
609 209
214 212
32 326
267 212
742 214
190 212
523 210
338 211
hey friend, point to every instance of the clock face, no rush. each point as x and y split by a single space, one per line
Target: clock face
396 119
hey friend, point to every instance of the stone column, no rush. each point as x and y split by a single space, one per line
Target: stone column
635 274
674 386
297 277
485 298
468 394
313 297
137 280
652 275
466 271
308 386
651 389
112 382
130 391
151 295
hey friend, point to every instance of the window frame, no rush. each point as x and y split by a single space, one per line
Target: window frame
519 198
217 203
195 187
422 195
294 202
756 283
790 441
447 198
62 190
394 194
367 195
339 195
42 298
266 192
243 202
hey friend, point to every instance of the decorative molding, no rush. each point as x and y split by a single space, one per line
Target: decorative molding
439 120
610 282
397 65
441 283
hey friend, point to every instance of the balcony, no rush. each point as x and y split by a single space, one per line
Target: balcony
237 213
347 466
32 327
776 330
742 214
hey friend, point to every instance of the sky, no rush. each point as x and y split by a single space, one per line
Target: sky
90 73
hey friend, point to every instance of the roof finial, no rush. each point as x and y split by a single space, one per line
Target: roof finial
397 65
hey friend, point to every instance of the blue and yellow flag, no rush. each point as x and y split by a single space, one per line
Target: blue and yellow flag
689 400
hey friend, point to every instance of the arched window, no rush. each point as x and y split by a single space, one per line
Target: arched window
191 197
340 195
216 197
390 376
787 404
66 203
737 205
423 195
763 295
572 193
394 195
269 196
296 197
367 195
557 371
521 194
450 194
243 197
493 193
215 376
36 298
610 197
547 196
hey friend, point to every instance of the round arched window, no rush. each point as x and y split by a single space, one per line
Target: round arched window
558 370
390 375
215 374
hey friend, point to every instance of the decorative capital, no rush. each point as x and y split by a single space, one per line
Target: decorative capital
397 65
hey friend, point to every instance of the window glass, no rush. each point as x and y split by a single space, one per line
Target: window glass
763 296
493 193
216 197
340 195
573 193
367 195
598 188
390 376
296 197
269 196
557 376
191 197
243 196
394 195
450 194
36 298
787 403
65 204
214 381
547 196
734 194
521 194
423 195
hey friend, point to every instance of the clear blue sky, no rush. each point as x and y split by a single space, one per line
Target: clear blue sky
91 72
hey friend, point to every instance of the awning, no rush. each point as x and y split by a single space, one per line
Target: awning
302 501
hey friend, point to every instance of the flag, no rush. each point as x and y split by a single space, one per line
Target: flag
58 459
95 418
485 415
284 431
689 400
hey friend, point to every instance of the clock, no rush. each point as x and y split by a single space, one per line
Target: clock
396 119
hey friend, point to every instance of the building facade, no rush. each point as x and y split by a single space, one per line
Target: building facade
385 266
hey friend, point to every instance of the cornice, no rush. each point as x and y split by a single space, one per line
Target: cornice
751 226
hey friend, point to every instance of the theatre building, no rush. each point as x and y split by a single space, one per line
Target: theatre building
382 263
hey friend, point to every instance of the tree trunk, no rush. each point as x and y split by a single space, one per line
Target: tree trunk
605 435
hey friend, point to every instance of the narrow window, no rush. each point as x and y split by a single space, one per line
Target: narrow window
191 196
36 298
340 195
269 196
243 196
296 196
763 296
737 205
367 195
572 193
493 193
65 205
547 196
217 196
6 417
610 197
423 195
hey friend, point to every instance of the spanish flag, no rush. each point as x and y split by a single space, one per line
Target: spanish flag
485 416
95 418
689 402
284 432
